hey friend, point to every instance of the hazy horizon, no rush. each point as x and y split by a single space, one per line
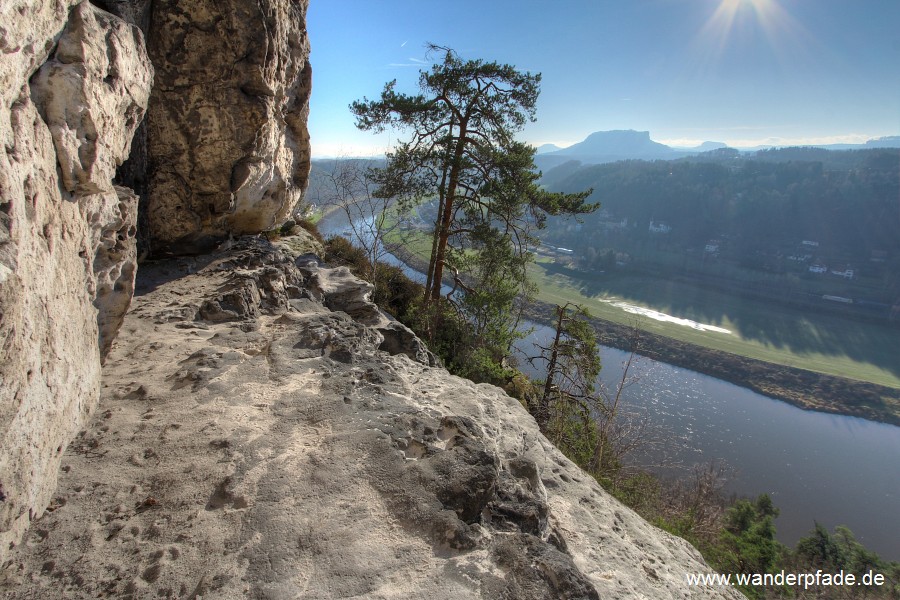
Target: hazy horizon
749 145
745 73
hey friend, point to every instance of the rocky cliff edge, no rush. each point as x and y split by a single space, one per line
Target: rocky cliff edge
265 432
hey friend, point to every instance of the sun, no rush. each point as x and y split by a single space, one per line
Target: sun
756 4
729 11
767 16
763 10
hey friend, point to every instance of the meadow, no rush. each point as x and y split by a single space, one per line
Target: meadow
824 342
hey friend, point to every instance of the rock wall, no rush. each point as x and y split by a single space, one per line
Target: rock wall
75 82
265 432
227 147
224 152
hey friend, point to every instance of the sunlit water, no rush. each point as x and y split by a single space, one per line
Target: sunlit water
833 469
660 316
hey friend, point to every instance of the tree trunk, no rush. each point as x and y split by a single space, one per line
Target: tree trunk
446 219
435 234
543 409
435 237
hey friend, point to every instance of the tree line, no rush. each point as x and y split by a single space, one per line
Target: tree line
845 201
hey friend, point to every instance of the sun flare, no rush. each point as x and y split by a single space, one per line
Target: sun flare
733 19
762 10
729 11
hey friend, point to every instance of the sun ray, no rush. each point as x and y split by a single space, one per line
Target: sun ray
785 37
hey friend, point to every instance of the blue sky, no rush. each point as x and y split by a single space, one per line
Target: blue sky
745 72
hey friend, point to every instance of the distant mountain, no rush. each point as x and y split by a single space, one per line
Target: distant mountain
611 146
704 147
606 146
545 148
891 141
882 142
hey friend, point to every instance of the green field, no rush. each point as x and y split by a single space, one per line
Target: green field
825 343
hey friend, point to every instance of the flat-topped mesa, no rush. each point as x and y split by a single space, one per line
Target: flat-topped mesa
227 146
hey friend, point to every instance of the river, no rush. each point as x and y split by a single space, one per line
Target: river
833 469
816 466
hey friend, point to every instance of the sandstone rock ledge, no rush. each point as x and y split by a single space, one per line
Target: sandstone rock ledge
264 432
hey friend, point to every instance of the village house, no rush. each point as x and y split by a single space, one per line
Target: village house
609 222
845 272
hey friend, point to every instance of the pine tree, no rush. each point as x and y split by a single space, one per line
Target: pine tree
461 150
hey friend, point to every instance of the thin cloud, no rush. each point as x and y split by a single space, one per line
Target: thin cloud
413 62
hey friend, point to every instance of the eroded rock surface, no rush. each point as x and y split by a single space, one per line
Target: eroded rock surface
227 141
75 83
254 440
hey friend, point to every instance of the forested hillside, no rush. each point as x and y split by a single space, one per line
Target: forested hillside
779 211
